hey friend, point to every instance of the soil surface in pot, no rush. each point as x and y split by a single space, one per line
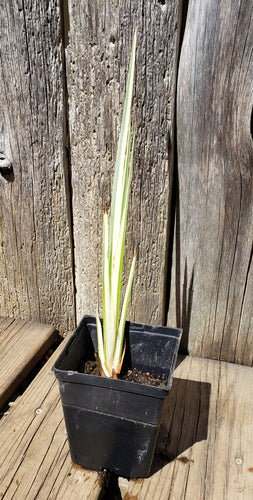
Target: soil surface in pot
131 375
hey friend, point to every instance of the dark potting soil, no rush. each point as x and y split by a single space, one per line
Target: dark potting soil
91 368
131 375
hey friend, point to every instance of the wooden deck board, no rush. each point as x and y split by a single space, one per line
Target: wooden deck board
22 345
206 439
35 460
204 451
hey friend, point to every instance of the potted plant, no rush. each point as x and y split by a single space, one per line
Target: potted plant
112 422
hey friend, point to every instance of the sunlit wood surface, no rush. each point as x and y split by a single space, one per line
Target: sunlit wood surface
35 460
22 345
205 447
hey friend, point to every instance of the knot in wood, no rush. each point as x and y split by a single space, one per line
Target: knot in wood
5 163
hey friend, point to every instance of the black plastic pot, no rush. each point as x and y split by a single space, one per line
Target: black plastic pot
113 424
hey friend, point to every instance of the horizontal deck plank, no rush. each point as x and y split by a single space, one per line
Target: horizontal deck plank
205 446
22 345
35 460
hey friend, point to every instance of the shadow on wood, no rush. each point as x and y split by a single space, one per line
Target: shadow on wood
183 285
186 308
184 422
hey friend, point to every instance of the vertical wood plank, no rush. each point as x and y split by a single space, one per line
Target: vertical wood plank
35 254
100 39
212 278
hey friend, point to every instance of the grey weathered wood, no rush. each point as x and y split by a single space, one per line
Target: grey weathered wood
22 345
99 43
205 446
211 290
35 461
35 253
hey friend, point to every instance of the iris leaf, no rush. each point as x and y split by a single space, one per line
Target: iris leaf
111 337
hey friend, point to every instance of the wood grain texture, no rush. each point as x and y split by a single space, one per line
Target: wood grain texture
35 460
212 277
22 345
205 446
98 50
35 254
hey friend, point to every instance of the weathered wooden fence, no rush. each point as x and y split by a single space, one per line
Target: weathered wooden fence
63 74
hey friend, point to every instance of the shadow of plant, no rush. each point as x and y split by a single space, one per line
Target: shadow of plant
184 421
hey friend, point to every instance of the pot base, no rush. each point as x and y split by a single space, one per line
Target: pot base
99 441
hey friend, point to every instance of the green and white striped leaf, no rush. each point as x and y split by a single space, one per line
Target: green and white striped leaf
110 340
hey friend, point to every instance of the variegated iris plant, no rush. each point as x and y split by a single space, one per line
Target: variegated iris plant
111 346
